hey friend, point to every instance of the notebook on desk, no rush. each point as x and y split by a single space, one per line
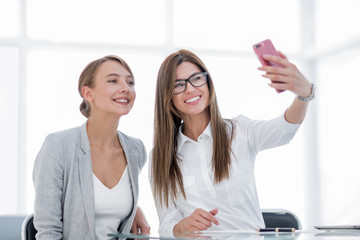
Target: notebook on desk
338 227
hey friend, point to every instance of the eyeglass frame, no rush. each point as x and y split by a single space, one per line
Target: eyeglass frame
188 81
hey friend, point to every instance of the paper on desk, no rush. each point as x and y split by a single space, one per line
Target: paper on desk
234 231
228 231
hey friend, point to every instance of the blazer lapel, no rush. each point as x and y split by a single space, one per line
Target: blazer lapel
132 162
86 180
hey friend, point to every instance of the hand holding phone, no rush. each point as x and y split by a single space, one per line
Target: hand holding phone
266 48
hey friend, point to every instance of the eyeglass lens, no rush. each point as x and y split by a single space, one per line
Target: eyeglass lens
196 81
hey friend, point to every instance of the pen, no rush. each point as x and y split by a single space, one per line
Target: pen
278 229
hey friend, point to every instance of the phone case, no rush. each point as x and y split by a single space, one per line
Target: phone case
266 48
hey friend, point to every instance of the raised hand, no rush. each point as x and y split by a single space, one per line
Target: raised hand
287 77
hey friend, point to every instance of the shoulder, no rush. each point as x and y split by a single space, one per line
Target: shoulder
150 158
55 148
241 119
239 123
62 144
65 134
131 141
247 127
63 137
134 147
244 122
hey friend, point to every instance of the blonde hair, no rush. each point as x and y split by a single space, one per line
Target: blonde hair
87 78
166 175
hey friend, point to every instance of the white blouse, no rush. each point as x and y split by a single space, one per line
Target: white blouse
236 197
111 205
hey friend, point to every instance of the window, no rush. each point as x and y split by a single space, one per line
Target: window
339 132
44 45
235 25
9 18
335 22
112 21
9 104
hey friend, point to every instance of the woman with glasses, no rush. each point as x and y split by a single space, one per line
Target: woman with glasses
86 178
202 166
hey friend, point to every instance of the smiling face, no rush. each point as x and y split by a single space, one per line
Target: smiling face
114 91
194 100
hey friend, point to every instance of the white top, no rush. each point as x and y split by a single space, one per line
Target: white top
111 205
236 197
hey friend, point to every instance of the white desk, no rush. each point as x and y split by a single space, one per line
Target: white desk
253 235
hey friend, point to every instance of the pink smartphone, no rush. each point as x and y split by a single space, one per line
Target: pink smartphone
266 48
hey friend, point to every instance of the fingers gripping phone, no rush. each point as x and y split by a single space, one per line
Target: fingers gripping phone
266 48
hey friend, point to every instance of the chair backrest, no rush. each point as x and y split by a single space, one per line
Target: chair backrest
280 218
10 226
28 230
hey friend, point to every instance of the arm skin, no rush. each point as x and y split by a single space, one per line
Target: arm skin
289 78
140 223
199 220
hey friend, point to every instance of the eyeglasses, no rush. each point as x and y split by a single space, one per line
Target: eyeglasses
196 80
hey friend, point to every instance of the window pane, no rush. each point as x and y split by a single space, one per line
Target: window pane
8 18
238 81
339 129
236 25
110 21
9 57
336 21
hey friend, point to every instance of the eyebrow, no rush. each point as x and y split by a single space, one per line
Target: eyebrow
117 75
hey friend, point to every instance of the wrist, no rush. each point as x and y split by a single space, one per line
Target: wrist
177 230
311 97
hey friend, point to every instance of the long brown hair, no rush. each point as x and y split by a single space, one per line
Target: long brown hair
87 78
166 175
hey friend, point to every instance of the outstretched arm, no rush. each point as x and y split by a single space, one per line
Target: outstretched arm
289 78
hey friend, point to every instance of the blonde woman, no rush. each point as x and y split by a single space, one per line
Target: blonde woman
86 178
202 166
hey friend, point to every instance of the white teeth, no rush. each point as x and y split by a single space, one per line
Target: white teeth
192 99
121 100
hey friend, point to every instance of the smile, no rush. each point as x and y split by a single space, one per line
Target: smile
121 100
193 99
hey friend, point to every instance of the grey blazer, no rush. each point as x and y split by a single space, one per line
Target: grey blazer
63 178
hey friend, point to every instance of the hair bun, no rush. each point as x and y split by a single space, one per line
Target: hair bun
85 108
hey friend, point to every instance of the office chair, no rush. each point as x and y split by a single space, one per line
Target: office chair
28 230
10 226
280 218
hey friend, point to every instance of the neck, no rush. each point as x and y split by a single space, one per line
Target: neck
195 125
102 131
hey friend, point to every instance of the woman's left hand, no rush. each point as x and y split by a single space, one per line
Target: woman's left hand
140 223
287 77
